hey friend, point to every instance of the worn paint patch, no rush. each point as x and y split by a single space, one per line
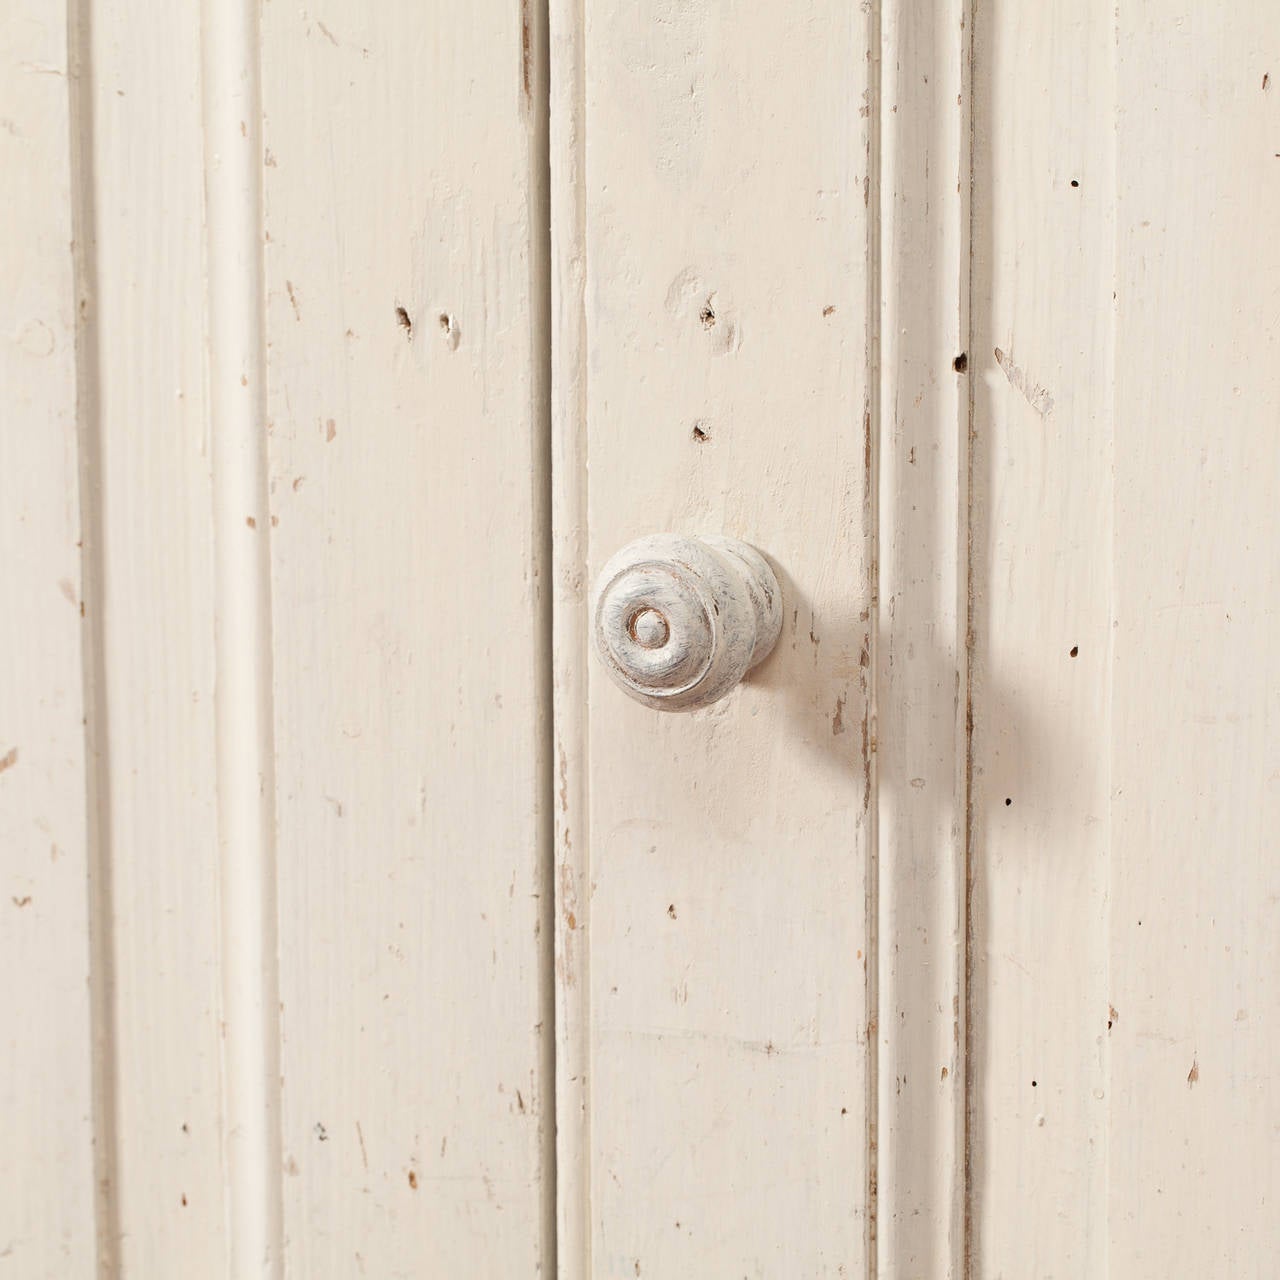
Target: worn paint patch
1032 392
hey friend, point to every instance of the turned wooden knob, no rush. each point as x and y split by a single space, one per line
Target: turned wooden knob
679 621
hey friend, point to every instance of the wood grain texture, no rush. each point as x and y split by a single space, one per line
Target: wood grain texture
231 68
405 319
149 596
922 459
1194 1114
1125 788
571 628
46 1156
1041 552
716 913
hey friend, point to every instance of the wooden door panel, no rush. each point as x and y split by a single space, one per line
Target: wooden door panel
713 872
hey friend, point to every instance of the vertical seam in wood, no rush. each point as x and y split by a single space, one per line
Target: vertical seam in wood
567 148
875 430
1112 611
246 783
102 984
536 102
968 55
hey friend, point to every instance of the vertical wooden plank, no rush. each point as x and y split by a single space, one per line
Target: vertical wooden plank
1041 491
723 896
1195 878
921 650
404 171
46 1158
242 637
150 603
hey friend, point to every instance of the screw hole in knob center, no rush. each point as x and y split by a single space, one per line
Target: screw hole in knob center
649 629
680 620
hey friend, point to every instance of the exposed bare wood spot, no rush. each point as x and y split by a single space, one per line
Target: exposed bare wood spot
449 327
1032 392
1194 1074
1075 651
67 587
330 430
707 315
405 322
1266 81
413 1180
837 719
961 363
1112 1016
9 759
671 910
321 1132
700 433
293 299
24 901
251 522
828 310
298 482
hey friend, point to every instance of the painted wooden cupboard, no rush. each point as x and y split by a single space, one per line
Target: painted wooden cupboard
354 922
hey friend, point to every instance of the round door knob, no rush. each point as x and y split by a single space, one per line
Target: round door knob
679 621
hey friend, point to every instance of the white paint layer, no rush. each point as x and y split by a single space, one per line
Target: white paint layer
246 772
404 171
149 599
46 1155
713 875
922 456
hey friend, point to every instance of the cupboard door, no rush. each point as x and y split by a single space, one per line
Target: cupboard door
711 227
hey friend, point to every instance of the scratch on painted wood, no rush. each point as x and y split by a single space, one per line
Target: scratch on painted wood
1032 392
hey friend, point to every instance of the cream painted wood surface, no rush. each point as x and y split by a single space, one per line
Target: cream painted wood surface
276 982
406 374
355 923
1124 866
46 1157
713 287
1043 602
